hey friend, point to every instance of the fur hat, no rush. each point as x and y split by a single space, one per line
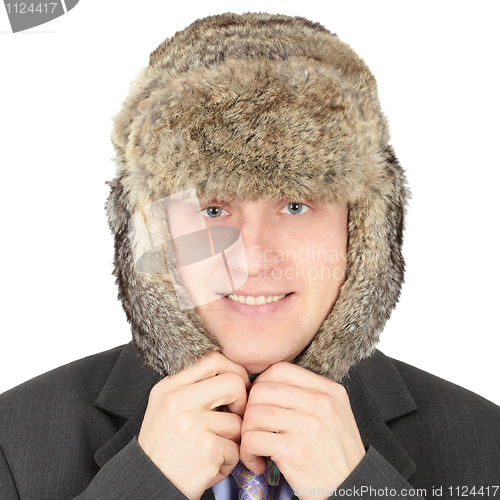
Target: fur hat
259 106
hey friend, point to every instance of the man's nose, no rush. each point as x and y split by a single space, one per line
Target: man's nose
261 244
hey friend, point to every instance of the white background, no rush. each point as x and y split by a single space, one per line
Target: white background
437 67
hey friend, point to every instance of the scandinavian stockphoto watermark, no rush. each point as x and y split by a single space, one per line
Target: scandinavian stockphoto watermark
206 261
170 235
26 15
409 492
360 492
307 264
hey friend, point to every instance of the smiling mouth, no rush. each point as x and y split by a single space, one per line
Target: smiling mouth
256 301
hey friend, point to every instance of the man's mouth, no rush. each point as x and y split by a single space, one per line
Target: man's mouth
256 301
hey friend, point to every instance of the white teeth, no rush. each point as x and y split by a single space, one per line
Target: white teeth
256 301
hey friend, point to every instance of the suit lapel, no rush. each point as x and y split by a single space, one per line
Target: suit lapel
126 433
125 395
379 395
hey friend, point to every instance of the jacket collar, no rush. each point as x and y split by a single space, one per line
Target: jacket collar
376 391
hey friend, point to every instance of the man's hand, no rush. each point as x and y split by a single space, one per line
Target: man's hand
305 424
192 445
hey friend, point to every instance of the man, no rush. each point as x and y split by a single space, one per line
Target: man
258 212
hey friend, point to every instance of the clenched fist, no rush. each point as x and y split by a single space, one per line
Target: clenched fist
194 446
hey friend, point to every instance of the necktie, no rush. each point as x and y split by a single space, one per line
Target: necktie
251 486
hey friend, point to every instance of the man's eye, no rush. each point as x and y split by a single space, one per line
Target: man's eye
296 208
212 212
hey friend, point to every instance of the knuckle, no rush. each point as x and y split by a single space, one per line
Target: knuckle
299 449
251 412
211 358
337 390
214 453
239 370
257 390
323 402
173 402
212 355
342 393
234 384
234 455
158 391
281 365
235 422
208 447
314 425
189 423
233 379
248 440
276 368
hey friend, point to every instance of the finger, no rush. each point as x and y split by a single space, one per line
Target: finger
301 399
231 454
208 366
290 374
276 394
255 445
270 419
321 394
224 389
226 425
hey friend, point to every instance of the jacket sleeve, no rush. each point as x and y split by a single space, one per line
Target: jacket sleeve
375 477
130 474
8 490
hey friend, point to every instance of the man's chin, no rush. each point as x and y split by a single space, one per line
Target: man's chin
253 367
255 371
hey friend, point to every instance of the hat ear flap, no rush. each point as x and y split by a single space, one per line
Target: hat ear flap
168 339
376 274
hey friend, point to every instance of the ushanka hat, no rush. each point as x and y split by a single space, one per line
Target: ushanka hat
257 106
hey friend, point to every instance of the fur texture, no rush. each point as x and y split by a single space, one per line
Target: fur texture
260 106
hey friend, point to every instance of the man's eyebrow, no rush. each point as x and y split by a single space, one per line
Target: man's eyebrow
299 200
215 202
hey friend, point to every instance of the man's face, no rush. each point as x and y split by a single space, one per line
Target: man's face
297 249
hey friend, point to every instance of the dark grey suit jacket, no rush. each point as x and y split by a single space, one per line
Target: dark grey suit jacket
71 434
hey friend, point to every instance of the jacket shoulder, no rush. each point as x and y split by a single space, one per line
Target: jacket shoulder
84 377
50 424
452 429
433 393
67 392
